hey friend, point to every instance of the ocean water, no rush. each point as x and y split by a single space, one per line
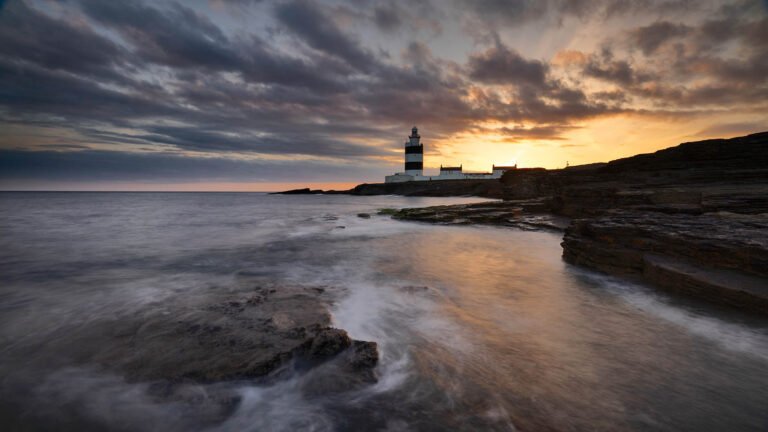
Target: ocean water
505 337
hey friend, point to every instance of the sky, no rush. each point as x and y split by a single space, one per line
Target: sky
260 95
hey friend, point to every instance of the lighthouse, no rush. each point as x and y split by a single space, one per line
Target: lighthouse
414 154
414 166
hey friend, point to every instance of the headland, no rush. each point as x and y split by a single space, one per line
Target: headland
691 219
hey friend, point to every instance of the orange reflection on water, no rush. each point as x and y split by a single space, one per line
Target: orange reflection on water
531 339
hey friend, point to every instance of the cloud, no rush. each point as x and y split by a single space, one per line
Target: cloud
317 30
605 67
730 129
650 38
387 18
29 34
544 132
180 38
176 36
509 11
200 139
93 166
338 83
514 12
500 65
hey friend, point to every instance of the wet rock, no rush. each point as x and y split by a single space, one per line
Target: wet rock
231 339
523 214
363 355
352 369
328 343
411 289
386 211
719 257
364 215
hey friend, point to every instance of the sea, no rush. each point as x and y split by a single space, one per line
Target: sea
505 336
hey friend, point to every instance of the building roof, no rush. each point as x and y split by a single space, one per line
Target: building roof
458 168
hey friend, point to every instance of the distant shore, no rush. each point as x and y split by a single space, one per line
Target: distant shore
437 188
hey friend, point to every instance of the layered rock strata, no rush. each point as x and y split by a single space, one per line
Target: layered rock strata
691 218
529 215
719 257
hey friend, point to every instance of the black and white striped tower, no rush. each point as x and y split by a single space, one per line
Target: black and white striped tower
414 154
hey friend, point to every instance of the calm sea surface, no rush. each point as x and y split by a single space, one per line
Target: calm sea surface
507 337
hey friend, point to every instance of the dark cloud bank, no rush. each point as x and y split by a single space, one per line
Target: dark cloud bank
174 95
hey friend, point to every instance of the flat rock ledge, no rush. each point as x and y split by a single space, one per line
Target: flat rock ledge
529 215
718 257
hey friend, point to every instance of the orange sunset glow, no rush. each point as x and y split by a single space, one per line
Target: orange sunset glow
241 96
384 215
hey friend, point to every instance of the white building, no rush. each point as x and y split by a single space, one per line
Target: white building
414 166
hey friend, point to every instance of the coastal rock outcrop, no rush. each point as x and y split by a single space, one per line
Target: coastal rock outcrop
302 191
253 338
691 218
720 257
529 215
437 188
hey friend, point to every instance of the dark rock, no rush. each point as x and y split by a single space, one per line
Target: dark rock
691 218
387 211
352 369
364 215
363 355
694 178
436 188
411 289
328 343
231 339
719 257
303 191
523 214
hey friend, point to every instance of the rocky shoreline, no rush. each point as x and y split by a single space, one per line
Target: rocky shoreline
246 337
201 353
691 219
442 188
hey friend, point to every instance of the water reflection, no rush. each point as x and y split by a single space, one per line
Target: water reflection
518 336
479 328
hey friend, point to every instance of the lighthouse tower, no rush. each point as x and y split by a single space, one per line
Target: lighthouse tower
414 154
